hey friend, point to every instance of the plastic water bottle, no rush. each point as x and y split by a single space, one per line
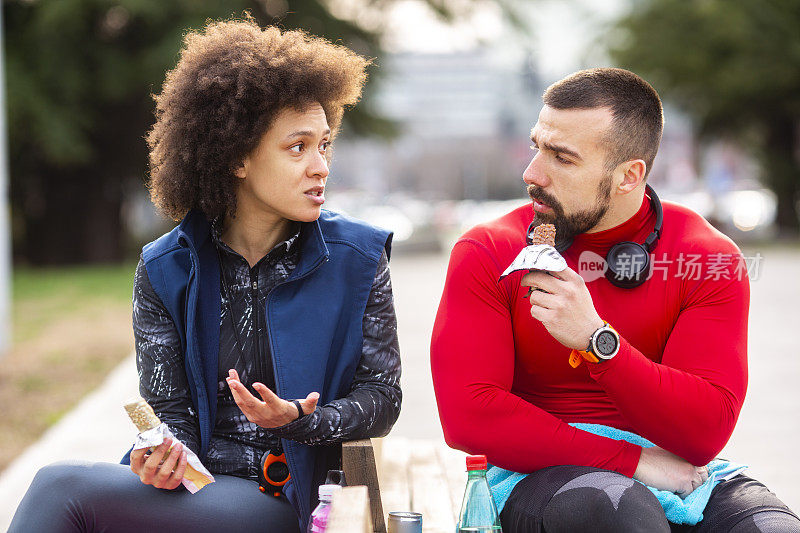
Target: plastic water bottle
478 510
319 518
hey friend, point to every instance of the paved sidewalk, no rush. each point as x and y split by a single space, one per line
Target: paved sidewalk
112 435
766 436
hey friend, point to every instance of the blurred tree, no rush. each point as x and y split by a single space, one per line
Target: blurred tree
734 65
80 74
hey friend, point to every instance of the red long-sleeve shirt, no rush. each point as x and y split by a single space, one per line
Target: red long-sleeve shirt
503 384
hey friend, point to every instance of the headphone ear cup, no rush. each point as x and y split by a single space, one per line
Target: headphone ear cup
628 264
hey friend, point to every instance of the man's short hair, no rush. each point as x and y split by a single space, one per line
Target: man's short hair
638 116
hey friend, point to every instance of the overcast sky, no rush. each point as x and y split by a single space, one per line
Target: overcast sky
561 37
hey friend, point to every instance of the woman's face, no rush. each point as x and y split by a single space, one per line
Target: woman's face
286 173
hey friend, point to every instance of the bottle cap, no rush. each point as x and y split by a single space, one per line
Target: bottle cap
335 477
326 491
476 462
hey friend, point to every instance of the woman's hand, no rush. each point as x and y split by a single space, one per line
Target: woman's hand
272 411
164 468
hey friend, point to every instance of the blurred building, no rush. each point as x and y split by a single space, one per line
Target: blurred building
464 121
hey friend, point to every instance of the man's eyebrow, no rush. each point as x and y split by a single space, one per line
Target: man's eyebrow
306 133
562 150
557 148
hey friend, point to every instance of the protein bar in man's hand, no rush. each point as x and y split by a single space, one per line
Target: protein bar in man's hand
544 234
540 254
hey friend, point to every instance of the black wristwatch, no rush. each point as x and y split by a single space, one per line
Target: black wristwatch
603 345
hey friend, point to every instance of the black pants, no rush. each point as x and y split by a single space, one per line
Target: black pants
579 498
73 497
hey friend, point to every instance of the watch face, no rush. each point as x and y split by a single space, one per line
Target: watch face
606 343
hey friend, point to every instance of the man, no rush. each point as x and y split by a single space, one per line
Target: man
676 374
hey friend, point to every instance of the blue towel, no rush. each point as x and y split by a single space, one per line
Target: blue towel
678 510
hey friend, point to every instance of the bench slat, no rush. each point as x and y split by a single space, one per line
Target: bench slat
430 494
393 475
358 464
350 511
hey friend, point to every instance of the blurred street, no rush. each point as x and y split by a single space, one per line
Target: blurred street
766 436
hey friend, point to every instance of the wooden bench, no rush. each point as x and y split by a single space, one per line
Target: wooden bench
350 511
360 468
400 474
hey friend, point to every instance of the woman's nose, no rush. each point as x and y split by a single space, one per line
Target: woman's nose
318 166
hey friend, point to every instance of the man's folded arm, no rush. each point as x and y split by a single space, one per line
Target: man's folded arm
472 361
689 403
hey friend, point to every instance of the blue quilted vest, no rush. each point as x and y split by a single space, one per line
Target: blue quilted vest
314 320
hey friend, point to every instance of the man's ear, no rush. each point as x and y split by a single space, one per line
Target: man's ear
633 173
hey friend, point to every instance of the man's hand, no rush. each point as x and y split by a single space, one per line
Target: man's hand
164 468
272 411
564 306
666 471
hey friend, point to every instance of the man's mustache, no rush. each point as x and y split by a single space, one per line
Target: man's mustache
536 193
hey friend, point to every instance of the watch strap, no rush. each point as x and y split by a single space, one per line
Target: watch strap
576 357
300 413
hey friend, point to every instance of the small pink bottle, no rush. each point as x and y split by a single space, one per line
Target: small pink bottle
319 518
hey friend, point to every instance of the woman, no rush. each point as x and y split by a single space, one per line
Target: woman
262 323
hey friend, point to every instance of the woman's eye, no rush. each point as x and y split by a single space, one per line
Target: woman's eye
297 148
324 146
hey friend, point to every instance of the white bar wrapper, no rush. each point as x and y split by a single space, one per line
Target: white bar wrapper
196 476
536 257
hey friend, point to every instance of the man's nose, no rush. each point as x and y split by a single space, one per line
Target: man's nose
318 166
534 174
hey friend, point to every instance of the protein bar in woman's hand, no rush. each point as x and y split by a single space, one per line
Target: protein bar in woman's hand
153 432
142 415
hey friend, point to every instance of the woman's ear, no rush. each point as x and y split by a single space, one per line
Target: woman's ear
241 170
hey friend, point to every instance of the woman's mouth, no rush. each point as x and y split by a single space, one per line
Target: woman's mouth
316 195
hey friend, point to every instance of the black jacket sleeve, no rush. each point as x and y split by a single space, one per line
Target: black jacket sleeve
373 403
159 360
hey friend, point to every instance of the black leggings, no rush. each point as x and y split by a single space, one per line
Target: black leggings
579 498
104 497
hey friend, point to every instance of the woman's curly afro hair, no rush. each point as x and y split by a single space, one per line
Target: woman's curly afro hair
231 81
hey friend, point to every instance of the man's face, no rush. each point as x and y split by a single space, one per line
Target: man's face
286 173
567 178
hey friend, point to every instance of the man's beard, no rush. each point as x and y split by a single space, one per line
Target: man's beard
568 226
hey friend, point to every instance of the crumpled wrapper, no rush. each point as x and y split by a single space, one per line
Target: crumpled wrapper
196 475
540 254
536 257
